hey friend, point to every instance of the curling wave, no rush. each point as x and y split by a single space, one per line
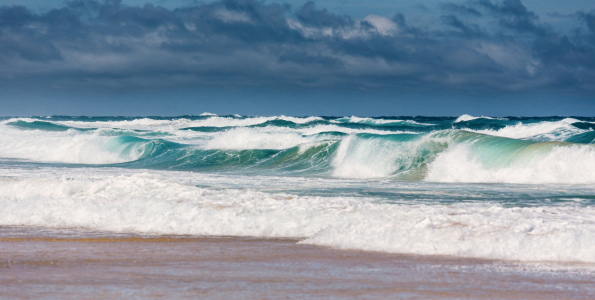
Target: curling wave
553 151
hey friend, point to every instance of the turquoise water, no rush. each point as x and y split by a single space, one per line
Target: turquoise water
307 147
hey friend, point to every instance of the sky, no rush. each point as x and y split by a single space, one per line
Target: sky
333 57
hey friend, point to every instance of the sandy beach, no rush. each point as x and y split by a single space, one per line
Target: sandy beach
70 264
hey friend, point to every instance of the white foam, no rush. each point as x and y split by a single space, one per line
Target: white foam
248 138
271 137
560 164
357 158
140 124
150 203
300 120
334 128
526 234
372 121
69 147
551 131
212 121
466 117
380 158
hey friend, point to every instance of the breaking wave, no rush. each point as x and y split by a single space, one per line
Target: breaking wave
538 152
393 184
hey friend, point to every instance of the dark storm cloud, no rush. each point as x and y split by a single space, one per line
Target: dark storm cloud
466 30
589 19
312 16
479 46
460 9
512 14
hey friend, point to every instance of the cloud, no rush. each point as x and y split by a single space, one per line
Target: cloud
464 29
513 15
478 46
589 19
384 26
460 9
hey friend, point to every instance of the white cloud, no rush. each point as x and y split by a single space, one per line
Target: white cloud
383 25
313 32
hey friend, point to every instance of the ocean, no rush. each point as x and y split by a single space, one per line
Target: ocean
512 189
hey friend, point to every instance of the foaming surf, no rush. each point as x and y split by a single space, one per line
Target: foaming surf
500 188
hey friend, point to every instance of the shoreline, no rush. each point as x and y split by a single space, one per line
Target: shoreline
23 233
71 264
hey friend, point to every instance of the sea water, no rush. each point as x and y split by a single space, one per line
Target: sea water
510 188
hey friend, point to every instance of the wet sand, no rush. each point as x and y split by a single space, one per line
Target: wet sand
67 264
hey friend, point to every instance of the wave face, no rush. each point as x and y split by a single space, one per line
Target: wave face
503 188
463 149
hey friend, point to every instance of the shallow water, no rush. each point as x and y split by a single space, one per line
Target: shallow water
82 264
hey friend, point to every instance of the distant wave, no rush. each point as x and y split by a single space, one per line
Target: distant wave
377 121
552 131
465 118
521 153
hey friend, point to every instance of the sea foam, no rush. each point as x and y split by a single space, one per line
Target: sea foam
151 203
560 165
66 147
542 131
465 118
